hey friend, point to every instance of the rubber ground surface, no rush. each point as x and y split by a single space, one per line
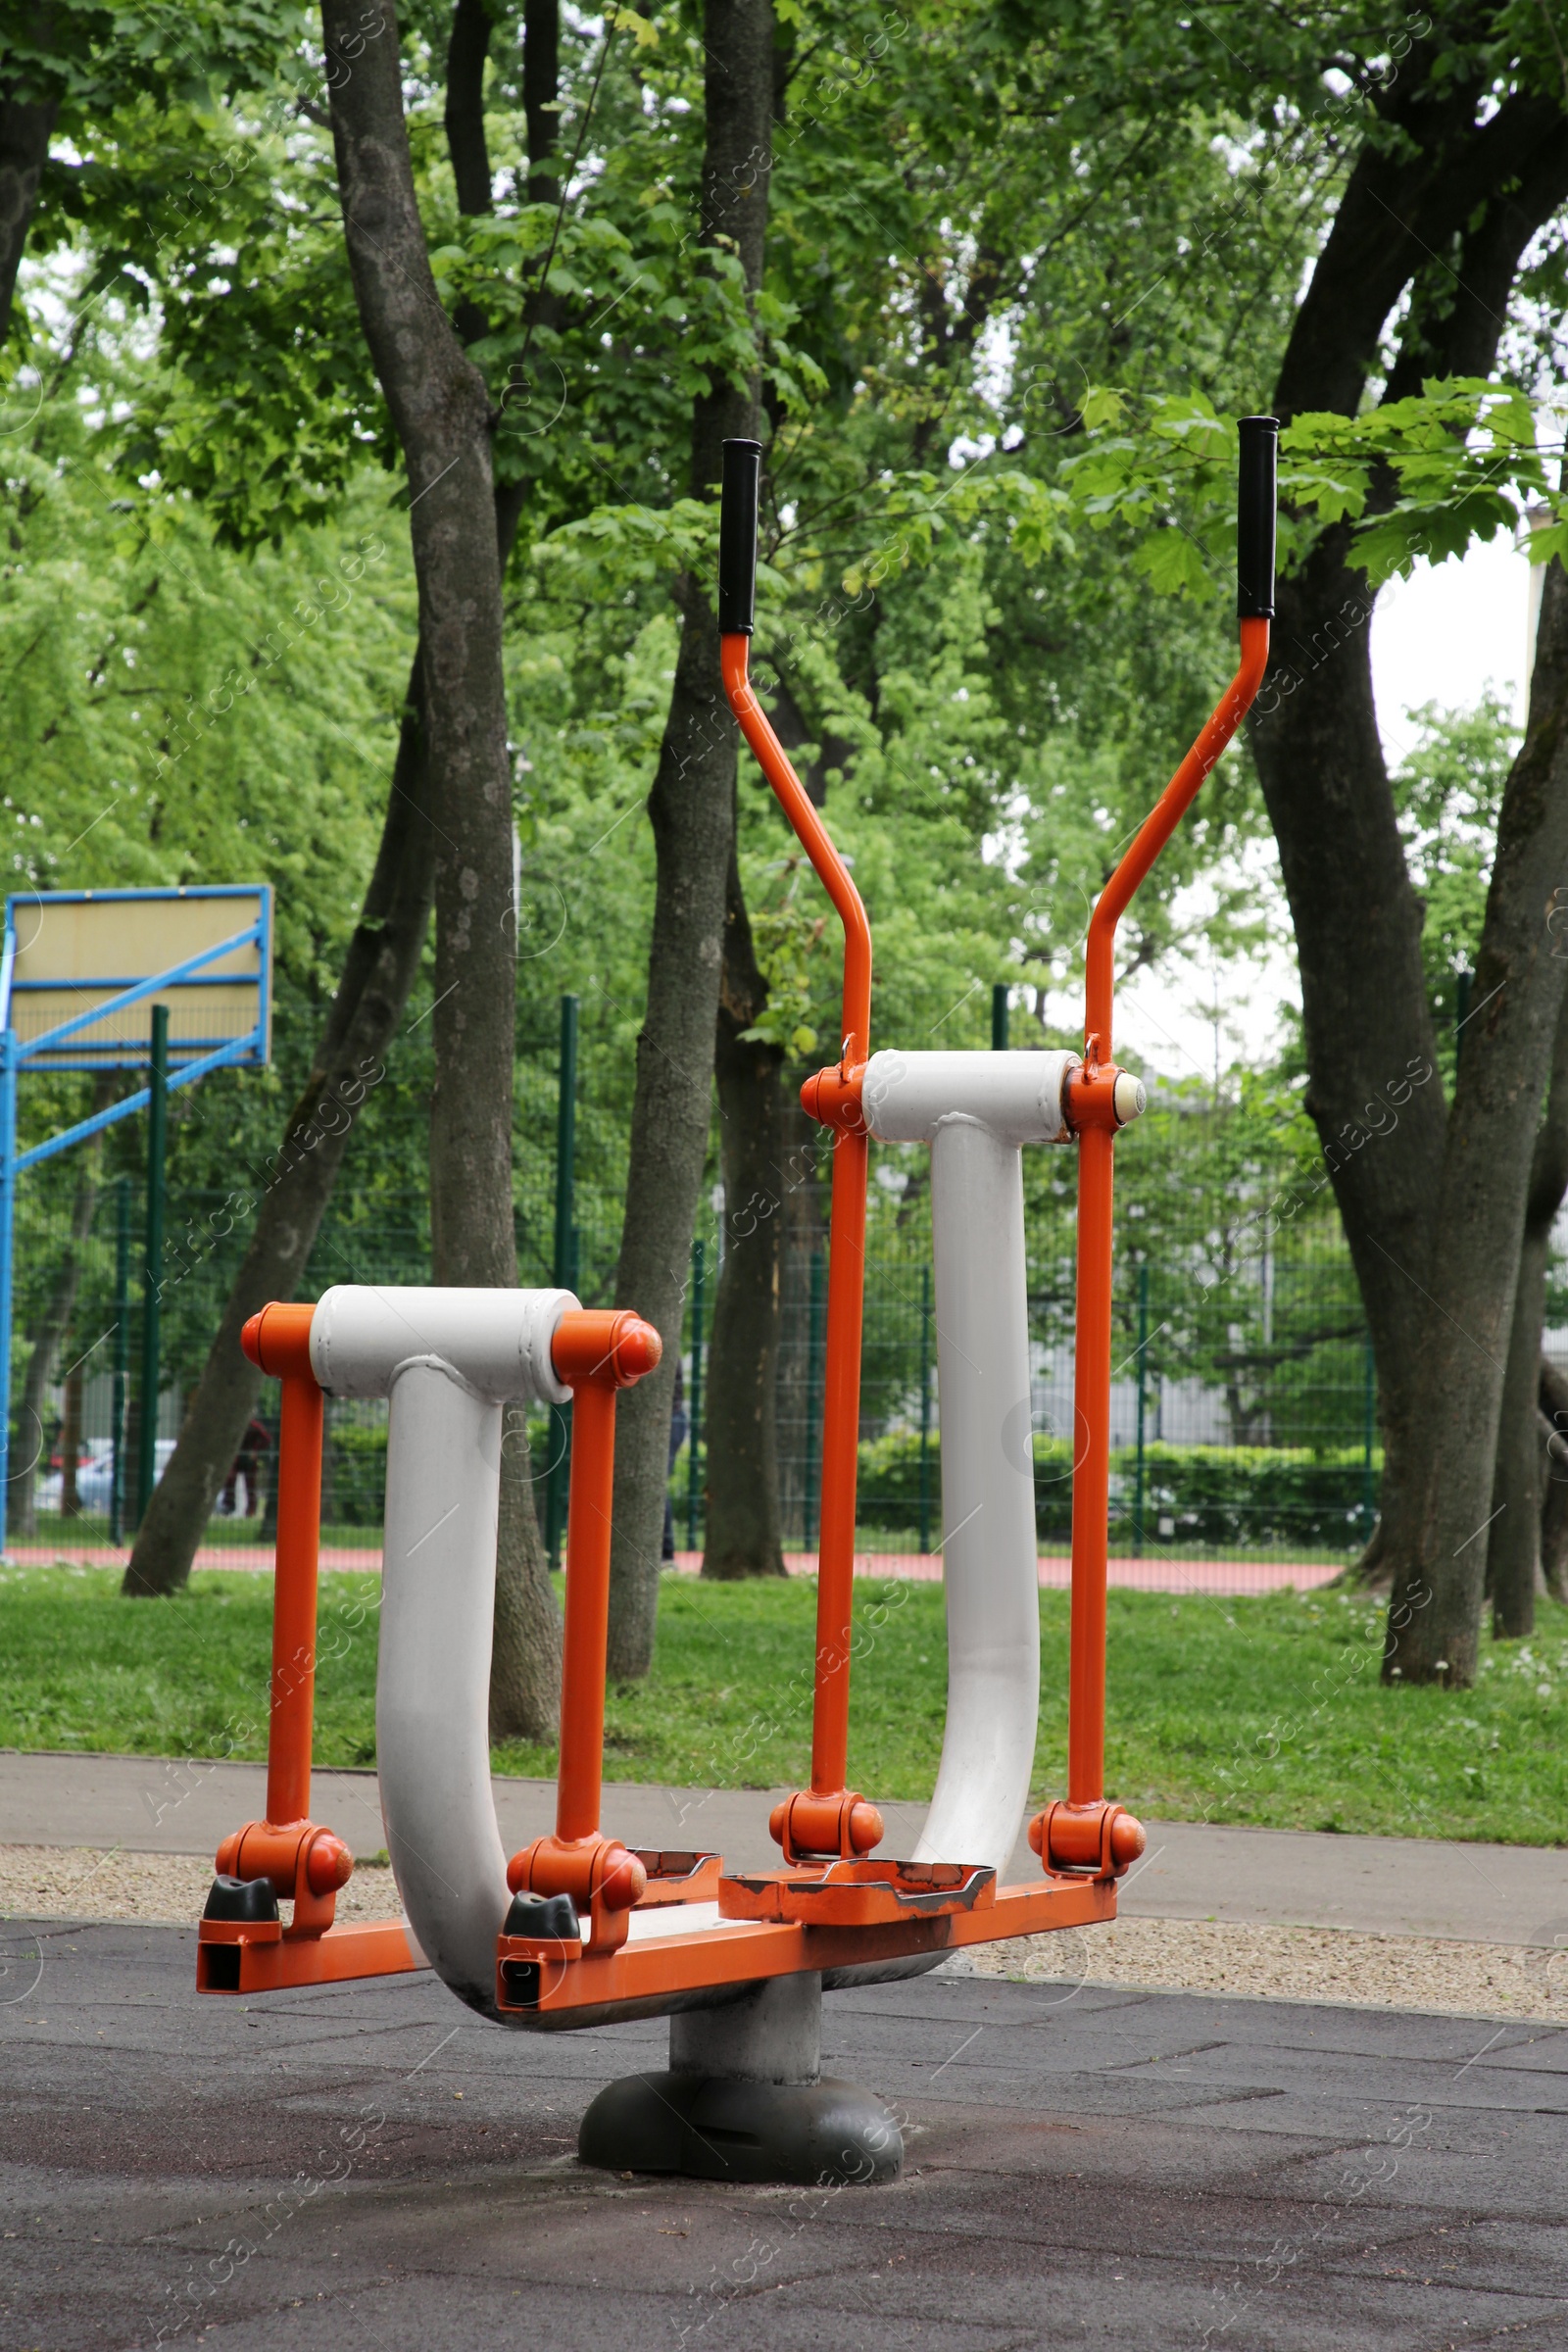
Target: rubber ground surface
370 2167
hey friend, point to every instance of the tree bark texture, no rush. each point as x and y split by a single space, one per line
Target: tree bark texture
745 1535
1441 186
1374 1092
691 811
1472 1278
441 412
541 93
26 126
379 969
526 1642
1514 1544
1553 1429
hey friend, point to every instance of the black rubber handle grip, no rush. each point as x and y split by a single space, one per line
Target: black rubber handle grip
1257 498
739 486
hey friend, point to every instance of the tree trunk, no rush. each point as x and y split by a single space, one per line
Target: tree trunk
1445 181
378 970
745 1537
1553 1428
441 412
54 1324
1374 1092
527 1640
691 810
1468 1298
25 131
1514 1546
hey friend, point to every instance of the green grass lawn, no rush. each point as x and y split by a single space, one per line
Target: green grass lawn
1265 1710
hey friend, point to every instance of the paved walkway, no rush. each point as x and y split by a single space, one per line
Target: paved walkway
1381 1886
1224 1578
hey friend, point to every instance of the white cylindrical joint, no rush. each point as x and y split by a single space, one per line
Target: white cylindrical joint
1018 1096
497 1341
1130 1099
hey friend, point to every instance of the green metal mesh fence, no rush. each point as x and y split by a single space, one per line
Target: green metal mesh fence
1243 1403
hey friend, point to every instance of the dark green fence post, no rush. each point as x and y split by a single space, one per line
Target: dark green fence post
925 1408
564 1266
999 1017
1142 1393
152 1279
1369 1423
693 1402
813 1403
122 1362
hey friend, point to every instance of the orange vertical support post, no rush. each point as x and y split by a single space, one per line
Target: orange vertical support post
595 1352
278 1342
578 1791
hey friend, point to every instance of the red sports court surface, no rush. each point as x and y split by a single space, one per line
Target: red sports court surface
1232 1578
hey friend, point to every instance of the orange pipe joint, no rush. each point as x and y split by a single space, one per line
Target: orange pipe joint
603 1347
1099 1093
833 1098
1101 1839
300 1861
809 1825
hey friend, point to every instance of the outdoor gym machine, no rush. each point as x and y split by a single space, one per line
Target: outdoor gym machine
577 1930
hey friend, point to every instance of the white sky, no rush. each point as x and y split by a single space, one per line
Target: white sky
1443 636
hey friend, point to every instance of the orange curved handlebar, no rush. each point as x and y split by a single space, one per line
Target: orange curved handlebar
1091 1480
1161 823
846 1273
816 842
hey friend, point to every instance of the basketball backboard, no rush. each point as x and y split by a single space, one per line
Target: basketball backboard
78 949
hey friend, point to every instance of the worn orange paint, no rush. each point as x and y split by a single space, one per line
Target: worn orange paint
646 1969
267 1964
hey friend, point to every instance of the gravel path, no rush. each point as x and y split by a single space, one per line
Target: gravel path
74 1882
1426 1974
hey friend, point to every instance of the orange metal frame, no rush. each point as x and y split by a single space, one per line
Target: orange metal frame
826 1908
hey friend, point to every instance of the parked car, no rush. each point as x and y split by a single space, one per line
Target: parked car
95 1474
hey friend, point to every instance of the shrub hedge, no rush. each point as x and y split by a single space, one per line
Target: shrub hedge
1214 1495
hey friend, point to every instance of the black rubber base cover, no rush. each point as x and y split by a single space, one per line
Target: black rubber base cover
713 2128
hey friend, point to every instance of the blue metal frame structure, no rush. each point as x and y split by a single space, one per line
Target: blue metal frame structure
16 1055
